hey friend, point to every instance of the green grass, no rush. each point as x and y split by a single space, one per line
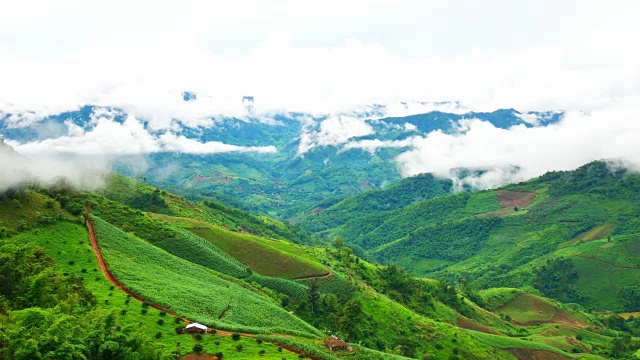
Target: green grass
497 297
503 342
528 307
267 257
199 251
67 242
189 289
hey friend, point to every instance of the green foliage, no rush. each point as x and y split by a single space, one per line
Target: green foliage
200 251
557 279
46 333
189 289
631 297
395 196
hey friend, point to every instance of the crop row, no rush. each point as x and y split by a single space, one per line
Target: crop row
190 290
202 252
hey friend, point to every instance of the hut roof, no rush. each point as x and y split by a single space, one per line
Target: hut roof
196 325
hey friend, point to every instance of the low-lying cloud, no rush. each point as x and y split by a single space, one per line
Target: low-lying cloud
83 172
109 137
520 153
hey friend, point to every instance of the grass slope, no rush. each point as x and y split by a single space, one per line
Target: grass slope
191 290
269 257
68 244
497 238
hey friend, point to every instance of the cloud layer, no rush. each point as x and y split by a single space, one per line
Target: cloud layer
520 153
109 137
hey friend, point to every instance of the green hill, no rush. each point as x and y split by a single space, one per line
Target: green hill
504 237
203 266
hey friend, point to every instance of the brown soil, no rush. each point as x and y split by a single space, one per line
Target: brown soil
607 263
530 354
317 210
573 342
199 356
510 199
114 281
559 317
471 325
329 274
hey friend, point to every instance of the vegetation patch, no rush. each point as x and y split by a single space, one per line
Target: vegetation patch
267 257
189 289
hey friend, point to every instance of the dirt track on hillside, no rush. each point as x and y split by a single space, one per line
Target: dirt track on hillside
607 263
114 281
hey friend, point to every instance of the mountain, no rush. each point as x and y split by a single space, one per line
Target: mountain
154 259
572 235
277 164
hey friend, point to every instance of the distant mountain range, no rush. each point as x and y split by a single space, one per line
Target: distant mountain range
279 164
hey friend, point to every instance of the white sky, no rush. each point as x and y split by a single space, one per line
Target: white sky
330 56
318 56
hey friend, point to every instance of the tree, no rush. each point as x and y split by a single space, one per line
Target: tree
557 279
631 297
352 320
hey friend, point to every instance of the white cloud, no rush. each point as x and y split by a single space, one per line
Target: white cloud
335 130
521 153
83 172
330 59
109 137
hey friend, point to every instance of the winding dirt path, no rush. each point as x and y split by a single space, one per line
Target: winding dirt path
105 270
329 274
607 263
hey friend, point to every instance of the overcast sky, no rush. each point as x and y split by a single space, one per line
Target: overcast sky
318 56
330 56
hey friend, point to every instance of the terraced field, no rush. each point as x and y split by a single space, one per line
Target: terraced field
268 257
191 290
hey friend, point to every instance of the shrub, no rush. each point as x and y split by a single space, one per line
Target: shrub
578 337
279 348
160 322
112 287
302 356
235 336
198 337
145 304
239 347
144 311
177 320
179 329
213 332
163 313
72 262
261 352
158 335
259 341
123 312
217 342
83 270
198 348
219 355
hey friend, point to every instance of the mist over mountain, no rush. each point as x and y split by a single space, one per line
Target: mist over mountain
273 162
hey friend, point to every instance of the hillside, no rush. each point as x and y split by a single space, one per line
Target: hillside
580 226
167 269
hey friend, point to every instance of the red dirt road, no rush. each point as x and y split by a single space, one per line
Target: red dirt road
105 270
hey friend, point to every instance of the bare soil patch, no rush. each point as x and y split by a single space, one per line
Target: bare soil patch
510 199
199 356
530 354
470 325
